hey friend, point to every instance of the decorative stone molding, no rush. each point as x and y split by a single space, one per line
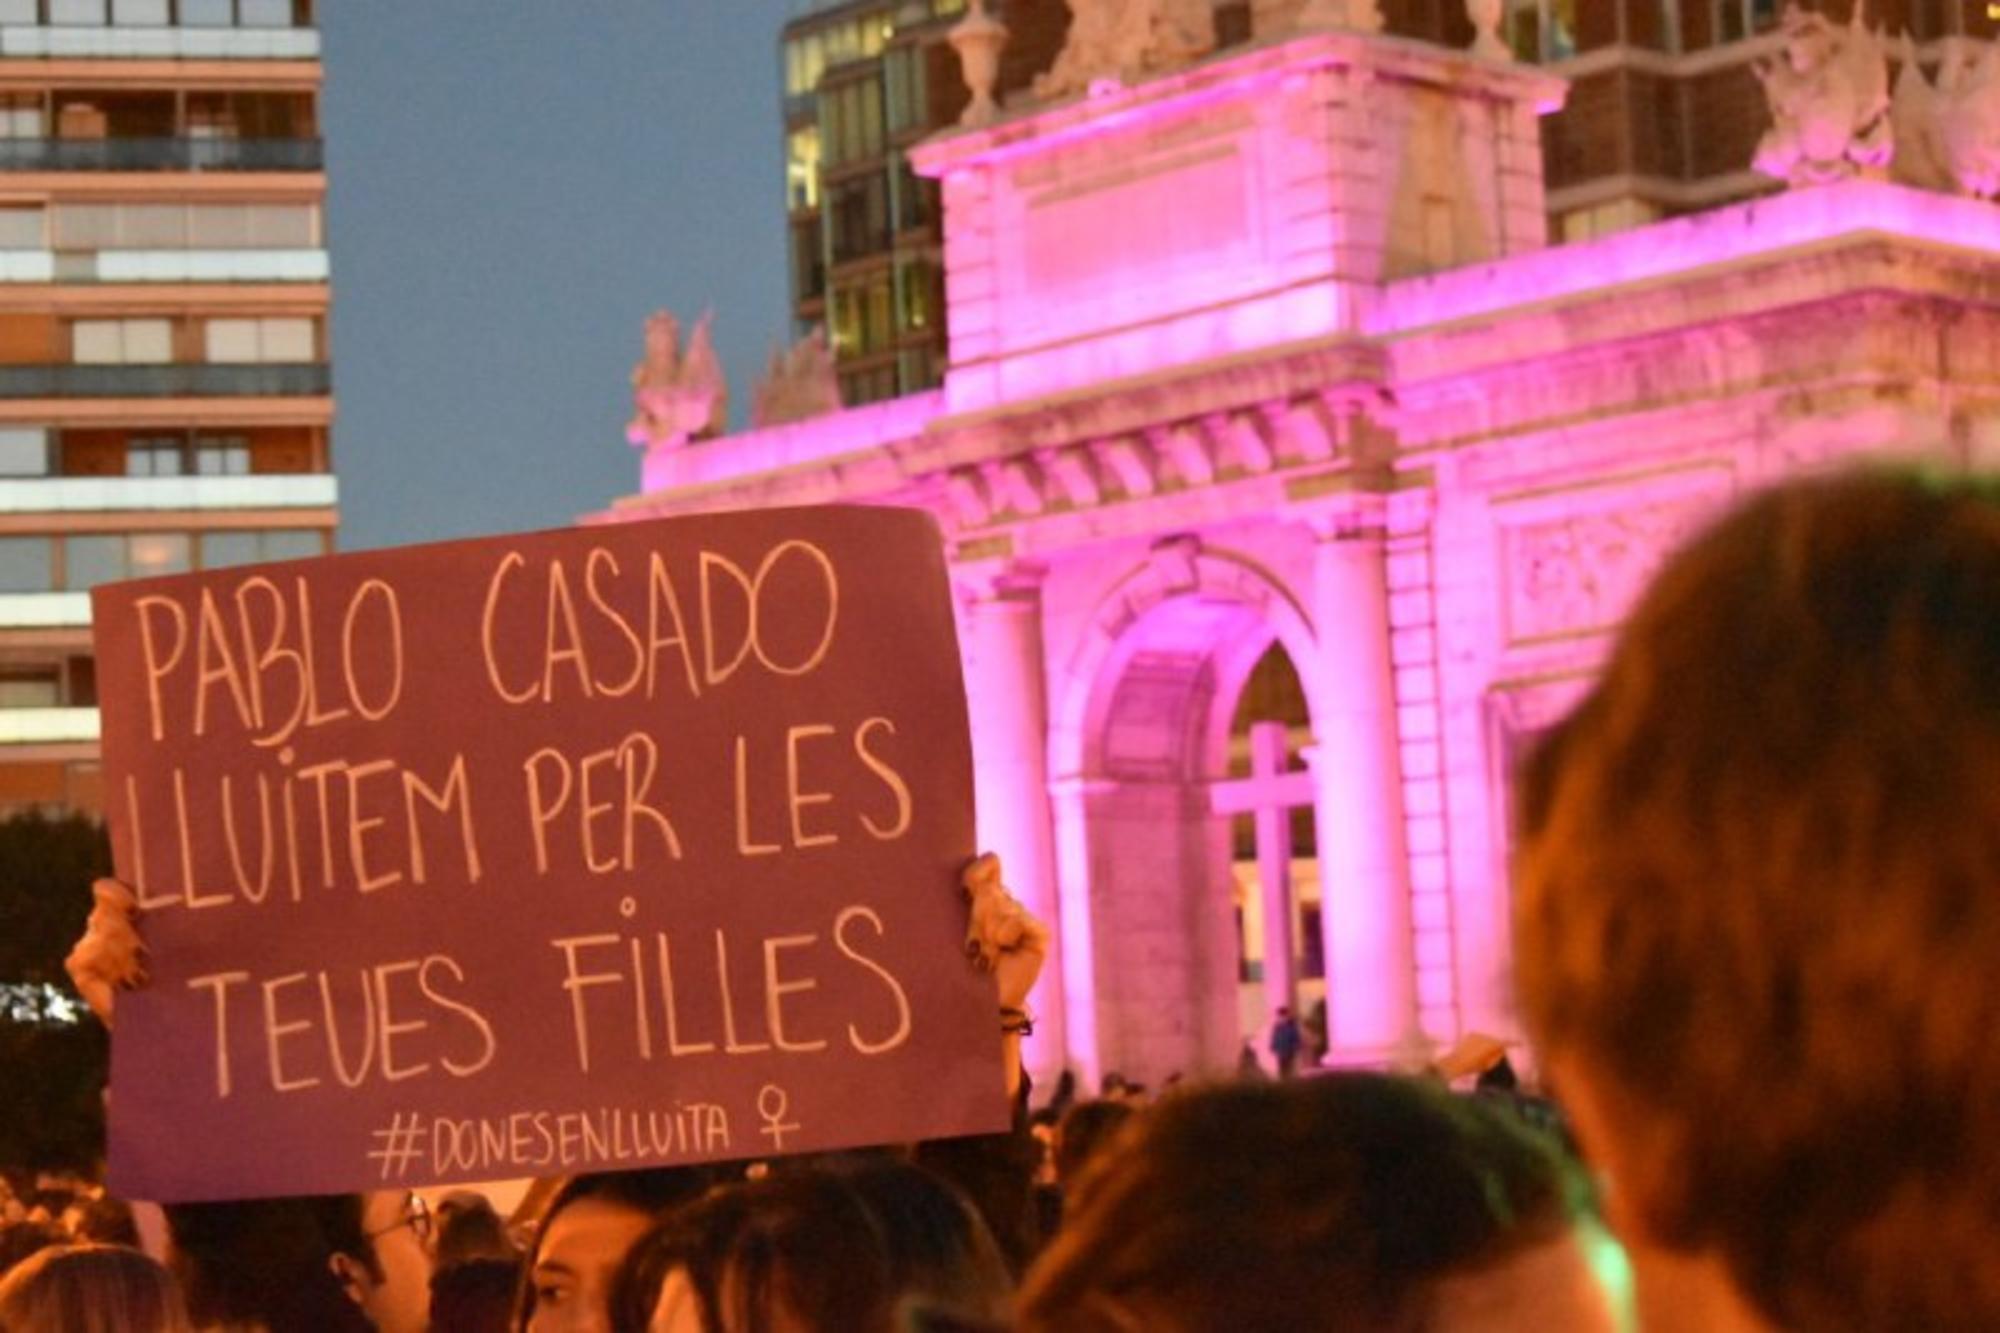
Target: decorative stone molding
1191 454
1579 573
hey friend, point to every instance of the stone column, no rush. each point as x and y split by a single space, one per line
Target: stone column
1006 691
1268 744
1358 801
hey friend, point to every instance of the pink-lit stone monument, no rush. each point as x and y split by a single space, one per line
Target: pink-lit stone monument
1269 348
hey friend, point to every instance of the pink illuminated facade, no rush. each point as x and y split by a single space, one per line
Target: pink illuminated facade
1271 350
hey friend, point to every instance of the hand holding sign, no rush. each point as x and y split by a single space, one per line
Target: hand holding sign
109 957
542 854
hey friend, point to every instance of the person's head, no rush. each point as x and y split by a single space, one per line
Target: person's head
798 1252
1352 1201
468 1228
941 1254
584 1236
1756 918
1085 1132
20 1239
474 1296
325 1262
90 1289
107 1221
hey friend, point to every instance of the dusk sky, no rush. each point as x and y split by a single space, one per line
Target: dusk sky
512 188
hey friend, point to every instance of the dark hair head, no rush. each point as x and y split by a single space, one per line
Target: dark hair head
941 1253
90 1289
265 1261
654 1193
1326 1203
1756 911
20 1239
468 1228
473 1295
799 1248
108 1221
1085 1132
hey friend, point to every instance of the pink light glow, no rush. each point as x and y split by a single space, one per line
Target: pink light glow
1173 257
1681 247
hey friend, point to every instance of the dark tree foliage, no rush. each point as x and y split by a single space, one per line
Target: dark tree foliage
52 1095
51 1075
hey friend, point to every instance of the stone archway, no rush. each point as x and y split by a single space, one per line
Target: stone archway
1138 736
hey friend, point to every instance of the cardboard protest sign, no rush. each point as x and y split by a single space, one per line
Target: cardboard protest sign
570 851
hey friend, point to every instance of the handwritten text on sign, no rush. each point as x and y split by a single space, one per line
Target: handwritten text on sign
623 845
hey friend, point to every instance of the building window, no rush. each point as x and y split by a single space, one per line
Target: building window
24 564
82 13
154 457
122 342
1541 30
20 11
223 550
22 117
239 341
916 199
919 294
851 118
139 13
805 61
858 218
222 456
1737 19
908 106
24 451
179 227
94 558
802 168
24 688
23 229
808 269
206 13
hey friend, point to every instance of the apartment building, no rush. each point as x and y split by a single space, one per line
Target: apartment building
863 80
165 397
1663 116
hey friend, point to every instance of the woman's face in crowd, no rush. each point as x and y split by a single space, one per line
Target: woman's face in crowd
577 1262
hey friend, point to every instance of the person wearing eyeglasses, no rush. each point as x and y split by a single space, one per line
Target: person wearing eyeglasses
327 1262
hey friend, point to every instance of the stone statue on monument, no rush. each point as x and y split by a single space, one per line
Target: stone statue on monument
1829 101
1948 131
798 383
1122 40
677 395
979 38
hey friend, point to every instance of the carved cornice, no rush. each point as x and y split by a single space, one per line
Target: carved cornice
1332 432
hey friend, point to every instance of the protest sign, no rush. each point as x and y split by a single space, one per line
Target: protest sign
571 851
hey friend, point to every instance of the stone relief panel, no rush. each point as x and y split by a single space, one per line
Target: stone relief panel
1578 572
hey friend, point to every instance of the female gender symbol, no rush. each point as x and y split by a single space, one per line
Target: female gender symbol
772 1103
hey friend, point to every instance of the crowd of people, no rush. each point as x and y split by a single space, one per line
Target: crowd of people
1756 945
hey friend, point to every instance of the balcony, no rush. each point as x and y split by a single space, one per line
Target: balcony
39 42
172 381
47 726
161 155
44 610
96 495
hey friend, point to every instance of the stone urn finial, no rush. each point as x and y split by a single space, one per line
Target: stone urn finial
1487 43
978 39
